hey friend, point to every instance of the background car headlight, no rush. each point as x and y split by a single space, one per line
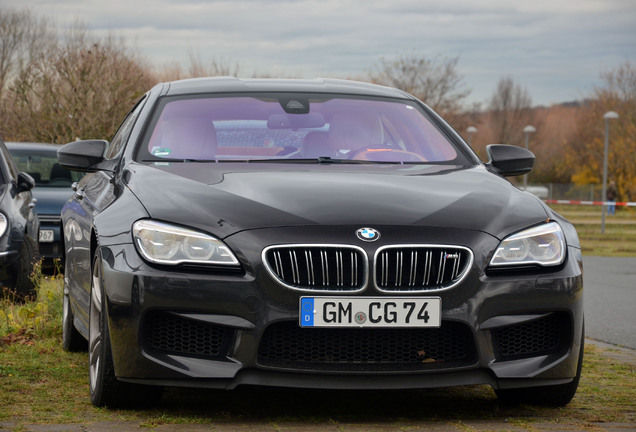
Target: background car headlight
162 243
3 224
543 245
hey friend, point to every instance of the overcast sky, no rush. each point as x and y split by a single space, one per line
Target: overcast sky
557 49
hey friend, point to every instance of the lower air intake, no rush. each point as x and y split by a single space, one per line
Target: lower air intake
287 345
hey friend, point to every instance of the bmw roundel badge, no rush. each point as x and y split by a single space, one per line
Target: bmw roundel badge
368 234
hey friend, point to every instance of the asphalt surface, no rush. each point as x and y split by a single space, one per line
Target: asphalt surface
609 286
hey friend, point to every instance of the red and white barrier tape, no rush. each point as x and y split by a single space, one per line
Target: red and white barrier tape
608 203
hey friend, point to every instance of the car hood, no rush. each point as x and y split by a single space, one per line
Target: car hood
225 198
50 200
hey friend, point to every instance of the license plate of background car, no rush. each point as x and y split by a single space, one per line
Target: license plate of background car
370 312
46 236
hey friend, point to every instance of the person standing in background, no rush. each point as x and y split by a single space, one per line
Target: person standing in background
611 197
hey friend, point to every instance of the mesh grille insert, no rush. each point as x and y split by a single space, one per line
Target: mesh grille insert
285 344
546 335
170 333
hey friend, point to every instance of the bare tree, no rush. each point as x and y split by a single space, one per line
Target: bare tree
81 87
510 110
198 68
22 36
434 81
215 67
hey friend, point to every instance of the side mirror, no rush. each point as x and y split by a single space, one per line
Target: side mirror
25 182
509 160
82 155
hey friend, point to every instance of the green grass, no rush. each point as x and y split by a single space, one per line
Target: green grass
619 239
42 384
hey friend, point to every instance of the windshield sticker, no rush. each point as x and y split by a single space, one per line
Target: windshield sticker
161 151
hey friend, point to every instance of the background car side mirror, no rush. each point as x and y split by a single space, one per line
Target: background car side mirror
25 182
82 155
509 160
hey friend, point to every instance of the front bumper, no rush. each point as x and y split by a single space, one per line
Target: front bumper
50 246
9 263
221 330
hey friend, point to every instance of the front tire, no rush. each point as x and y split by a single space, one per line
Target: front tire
72 340
105 388
25 287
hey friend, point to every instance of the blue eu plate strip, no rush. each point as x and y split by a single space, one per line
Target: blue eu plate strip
307 312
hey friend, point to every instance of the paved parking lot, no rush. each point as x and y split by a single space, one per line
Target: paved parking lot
610 297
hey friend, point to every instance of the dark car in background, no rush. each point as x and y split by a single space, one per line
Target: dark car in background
52 190
316 234
18 229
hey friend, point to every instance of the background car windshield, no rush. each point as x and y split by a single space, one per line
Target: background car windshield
44 168
295 127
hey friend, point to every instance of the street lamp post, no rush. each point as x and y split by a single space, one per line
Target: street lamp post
607 116
527 131
471 130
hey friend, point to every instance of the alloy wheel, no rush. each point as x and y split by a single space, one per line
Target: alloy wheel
95 330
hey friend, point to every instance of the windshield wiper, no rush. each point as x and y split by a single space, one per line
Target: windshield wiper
320 160
182 160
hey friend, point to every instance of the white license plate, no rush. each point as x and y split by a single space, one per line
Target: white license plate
46 236
370 312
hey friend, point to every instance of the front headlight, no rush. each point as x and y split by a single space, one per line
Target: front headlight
162 243
543 245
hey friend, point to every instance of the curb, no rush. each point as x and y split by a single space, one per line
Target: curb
616 352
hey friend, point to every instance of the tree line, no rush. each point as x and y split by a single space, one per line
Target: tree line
58 86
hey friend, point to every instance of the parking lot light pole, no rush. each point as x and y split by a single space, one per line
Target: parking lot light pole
527 131
607 116
471 130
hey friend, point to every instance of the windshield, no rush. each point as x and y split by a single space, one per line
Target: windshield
43 167
295 127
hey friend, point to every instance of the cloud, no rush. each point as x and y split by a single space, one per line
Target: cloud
555 48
